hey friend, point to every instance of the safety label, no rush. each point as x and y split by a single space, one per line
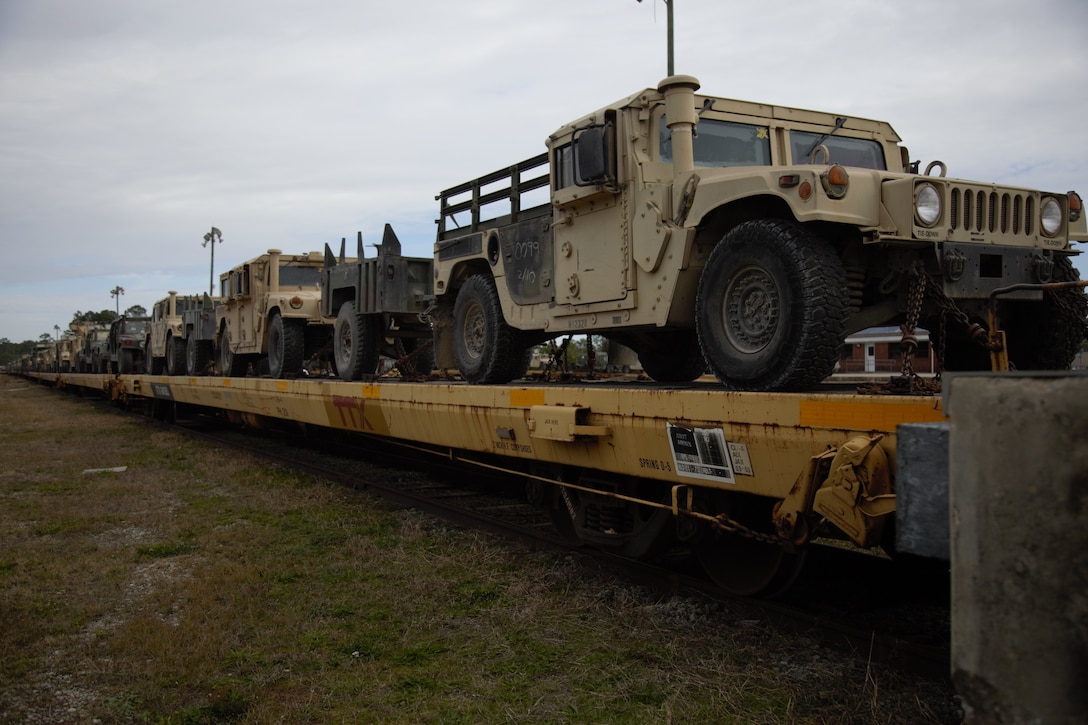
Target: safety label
701 453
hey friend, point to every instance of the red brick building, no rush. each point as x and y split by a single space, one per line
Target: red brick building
880 350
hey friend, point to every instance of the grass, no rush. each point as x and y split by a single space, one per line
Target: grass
199 586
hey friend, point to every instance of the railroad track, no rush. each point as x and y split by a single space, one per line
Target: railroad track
877 609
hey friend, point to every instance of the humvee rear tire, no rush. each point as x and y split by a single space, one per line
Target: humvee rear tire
175 357
486 349
771 307
356 343
126 362
198 353
286 342
674 357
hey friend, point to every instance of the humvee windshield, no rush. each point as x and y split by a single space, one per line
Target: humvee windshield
860 152
723 143
294 276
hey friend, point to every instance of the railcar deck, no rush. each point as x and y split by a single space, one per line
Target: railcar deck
699 434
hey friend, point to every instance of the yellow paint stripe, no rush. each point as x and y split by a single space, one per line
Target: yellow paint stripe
526 397
882 414
372 390
281 386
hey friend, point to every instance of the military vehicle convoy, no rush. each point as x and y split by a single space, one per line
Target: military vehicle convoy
749 239
378 304
706 234
270 308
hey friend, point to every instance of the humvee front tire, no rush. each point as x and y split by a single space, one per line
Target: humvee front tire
487 350
356 343
230 365
126 362
1047 335
771 307
286 342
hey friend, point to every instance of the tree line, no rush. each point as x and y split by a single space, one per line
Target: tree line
11 351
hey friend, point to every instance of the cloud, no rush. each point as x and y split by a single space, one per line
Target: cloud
129 128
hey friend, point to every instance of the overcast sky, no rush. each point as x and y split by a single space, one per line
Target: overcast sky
128 128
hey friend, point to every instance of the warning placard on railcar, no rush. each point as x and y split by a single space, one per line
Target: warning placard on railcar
700 453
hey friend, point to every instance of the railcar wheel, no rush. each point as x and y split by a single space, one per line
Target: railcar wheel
286 341
602 521
561 508
771 307
357 341
487 350
673 357
175 357
747 566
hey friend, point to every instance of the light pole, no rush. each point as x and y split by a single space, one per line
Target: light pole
211 238
57 328
668 13
116 293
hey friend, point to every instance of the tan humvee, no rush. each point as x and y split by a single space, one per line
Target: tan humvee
64 354
270 307
165 345
749 239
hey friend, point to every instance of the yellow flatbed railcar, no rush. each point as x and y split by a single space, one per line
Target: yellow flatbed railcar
745 479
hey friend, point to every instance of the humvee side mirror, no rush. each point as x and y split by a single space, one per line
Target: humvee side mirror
593 155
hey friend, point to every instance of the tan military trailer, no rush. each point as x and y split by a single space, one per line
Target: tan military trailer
165 344
749 239
270 308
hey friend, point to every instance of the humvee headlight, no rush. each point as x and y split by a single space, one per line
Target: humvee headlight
1051 218
927 205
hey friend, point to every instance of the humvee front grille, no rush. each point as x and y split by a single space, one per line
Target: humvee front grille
994 212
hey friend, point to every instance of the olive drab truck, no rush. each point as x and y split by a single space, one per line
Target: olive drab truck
747 239
378 304
165 344
125 345
270 309
94 356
